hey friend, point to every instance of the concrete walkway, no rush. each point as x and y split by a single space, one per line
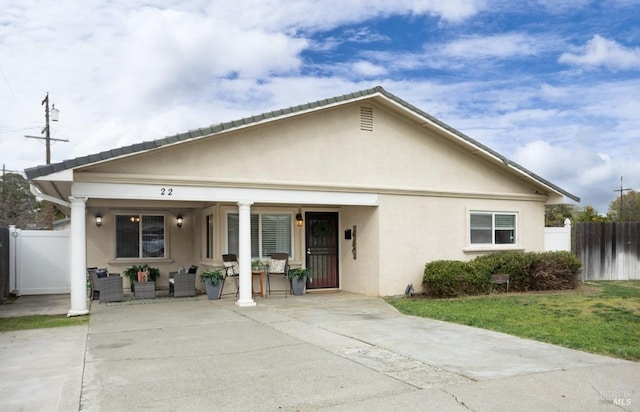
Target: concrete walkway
326 352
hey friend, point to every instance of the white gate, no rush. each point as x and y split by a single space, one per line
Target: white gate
558 238
39 262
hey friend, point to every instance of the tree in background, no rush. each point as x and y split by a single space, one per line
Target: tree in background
625 208
18 206
554 215
589 214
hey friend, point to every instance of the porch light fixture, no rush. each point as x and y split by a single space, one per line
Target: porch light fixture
179 220
99 220
299 220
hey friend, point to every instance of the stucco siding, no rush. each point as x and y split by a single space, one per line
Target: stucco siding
362 273
416 230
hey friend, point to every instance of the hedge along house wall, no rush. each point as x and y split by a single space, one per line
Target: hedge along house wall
608 251
531 271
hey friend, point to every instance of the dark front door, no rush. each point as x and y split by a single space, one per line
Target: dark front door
322 249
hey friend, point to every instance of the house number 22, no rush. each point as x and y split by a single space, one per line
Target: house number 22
166 191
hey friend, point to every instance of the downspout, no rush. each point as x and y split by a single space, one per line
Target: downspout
48 198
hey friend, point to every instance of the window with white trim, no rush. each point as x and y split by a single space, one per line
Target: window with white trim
270 232
140 236
492 228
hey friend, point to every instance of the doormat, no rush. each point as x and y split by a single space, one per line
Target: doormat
129 300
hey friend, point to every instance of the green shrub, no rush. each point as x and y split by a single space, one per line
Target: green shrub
515 264
527 272
449 278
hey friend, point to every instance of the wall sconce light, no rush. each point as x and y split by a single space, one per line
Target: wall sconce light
179 220
99 220
299 220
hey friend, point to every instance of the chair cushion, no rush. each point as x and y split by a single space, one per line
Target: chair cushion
235 270
102 273
277 266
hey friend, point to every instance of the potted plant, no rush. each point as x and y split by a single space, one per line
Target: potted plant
132 273
213 281
299 277
147 276
257 265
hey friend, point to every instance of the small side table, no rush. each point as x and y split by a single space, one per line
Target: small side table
259 274
144 290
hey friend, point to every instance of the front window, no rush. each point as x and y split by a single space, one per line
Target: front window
139 236
270 233
493 228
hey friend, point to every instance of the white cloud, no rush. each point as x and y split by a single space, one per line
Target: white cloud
600 51
367 69
493 46
577 169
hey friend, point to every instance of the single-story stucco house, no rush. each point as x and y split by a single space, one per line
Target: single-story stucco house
362 188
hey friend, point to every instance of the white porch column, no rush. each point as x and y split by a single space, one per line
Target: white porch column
78 257
245 297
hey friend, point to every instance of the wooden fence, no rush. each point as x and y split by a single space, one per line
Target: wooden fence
608 251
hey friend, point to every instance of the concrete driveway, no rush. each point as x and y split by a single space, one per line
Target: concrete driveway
319 352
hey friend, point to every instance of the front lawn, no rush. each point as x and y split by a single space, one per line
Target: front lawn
598 317
41 321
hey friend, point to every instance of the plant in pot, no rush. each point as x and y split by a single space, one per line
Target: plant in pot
299 277
213 281
257 265
132 273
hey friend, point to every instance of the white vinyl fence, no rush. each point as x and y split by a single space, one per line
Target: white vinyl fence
558 238
39 262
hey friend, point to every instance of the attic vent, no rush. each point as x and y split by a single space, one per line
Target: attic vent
366 119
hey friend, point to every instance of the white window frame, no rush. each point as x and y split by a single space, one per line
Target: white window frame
165 233
261 213
493 229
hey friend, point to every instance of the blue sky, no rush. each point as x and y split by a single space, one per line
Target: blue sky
551 84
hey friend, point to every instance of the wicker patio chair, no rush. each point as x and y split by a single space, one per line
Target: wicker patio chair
107 288
183 282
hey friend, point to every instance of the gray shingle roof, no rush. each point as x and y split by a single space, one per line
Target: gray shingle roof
40 171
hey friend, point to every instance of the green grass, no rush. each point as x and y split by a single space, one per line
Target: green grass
599 317
41 321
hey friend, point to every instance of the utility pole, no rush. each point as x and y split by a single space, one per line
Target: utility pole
48 114
621 190
53 116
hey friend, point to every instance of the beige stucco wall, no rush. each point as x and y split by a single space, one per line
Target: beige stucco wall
362 273
417 230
